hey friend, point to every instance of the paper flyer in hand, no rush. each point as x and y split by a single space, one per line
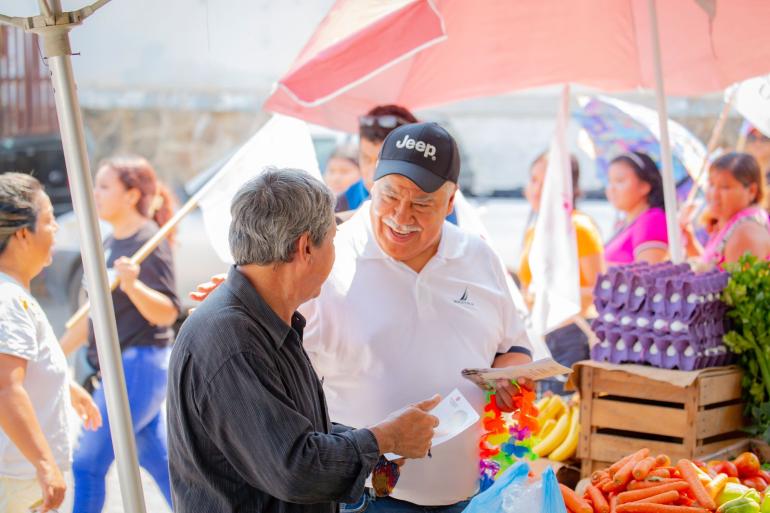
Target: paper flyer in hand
537 370
455 415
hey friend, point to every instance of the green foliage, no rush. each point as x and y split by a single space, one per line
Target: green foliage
748 296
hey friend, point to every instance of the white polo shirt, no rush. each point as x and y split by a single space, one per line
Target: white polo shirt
383 336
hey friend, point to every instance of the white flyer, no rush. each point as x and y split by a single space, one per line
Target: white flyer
539 369
455 415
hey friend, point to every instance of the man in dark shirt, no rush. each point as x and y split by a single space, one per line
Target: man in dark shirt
247 419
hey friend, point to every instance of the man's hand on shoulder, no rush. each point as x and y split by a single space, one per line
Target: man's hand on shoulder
203 290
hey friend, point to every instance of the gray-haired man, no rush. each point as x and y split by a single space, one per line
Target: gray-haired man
247 418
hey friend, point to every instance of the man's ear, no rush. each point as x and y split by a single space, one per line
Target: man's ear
305 248
451 204
22 234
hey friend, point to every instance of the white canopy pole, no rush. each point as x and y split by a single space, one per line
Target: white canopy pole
667 162
53 28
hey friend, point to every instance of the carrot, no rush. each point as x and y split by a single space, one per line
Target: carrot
686 500
600 503
660 472
640 454
689 474
637 495
613 503
600 484
645 507
643 468
662 460
599 475
612 469
574 502
668 497
623 476
651 483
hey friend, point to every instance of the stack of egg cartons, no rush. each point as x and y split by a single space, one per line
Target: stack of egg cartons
663 315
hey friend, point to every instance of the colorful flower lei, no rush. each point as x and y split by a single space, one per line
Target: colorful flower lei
506 441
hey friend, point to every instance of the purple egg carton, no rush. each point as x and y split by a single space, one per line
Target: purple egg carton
669 352
663 315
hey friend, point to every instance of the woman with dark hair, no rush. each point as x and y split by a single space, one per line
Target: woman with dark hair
568 344
35 447
735 194
131 199
635 188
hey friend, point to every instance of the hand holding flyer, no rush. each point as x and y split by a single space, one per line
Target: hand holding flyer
540 369
455 415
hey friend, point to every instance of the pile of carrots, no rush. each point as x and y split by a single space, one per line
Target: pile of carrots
641 483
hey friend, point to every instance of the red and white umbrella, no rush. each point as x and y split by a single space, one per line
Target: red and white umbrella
423 53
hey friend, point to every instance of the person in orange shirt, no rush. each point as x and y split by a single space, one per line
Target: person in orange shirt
568 344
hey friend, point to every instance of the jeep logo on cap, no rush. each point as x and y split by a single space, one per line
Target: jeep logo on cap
428 150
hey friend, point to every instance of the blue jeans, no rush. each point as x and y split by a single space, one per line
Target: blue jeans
146 371
371 504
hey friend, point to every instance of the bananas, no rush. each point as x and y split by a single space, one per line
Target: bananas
540 404
554 438
546 428
560 429
552 409
568 447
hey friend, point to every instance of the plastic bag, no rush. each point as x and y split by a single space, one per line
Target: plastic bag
513 492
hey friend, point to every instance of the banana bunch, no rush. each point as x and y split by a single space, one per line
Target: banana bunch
559 428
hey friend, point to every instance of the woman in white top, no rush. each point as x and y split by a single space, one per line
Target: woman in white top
35 440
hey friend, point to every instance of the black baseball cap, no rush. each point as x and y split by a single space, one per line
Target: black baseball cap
423 152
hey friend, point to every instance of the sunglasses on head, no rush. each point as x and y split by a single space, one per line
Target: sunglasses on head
384 121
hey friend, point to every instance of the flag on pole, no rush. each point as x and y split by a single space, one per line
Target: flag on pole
281 142
553 258
753 102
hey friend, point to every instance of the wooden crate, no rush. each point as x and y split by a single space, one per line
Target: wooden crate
621 412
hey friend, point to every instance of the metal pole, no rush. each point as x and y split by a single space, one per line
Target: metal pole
669 189
57 49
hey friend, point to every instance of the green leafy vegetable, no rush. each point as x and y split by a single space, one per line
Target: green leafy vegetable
748 296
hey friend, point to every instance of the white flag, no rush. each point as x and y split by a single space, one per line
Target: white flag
553 257
281 142
753 102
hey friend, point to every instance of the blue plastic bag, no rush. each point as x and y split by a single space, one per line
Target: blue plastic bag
513 493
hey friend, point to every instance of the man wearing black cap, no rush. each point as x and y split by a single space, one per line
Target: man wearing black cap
410 302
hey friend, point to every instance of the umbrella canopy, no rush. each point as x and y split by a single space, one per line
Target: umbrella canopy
614 127
422 53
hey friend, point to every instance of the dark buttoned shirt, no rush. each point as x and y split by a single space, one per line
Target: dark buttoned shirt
248 428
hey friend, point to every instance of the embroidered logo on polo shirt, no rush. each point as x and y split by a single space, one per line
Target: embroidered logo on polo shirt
463 300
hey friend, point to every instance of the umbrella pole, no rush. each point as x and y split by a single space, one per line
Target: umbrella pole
669 188
716 133
57 48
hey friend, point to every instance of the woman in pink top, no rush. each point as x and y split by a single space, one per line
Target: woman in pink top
636 189
739 224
